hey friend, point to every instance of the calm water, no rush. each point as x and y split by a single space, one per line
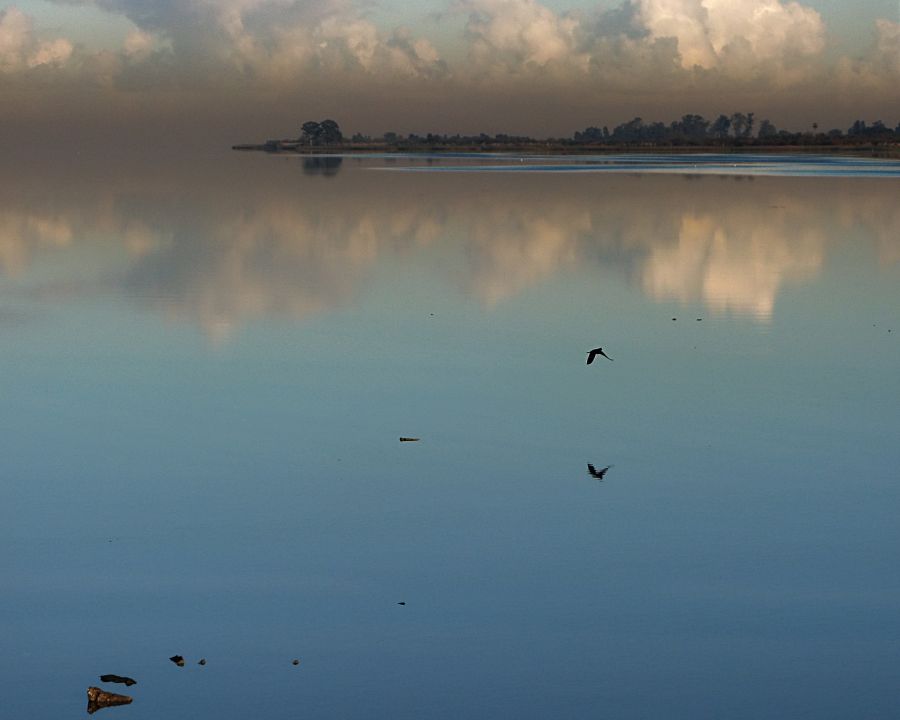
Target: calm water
207 366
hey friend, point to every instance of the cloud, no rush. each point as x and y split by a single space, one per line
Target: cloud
139 44
887 47
516 66
738 35
877 72
276 42
21 50
518 34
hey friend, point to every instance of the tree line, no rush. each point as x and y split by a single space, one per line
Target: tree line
735 130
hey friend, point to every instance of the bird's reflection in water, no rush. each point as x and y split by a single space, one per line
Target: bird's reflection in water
327 166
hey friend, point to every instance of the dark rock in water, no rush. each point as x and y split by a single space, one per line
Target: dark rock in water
295 661
202 661
118 679
401 603
99 699
178 660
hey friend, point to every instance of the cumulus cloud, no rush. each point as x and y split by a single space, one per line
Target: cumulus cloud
887 46
643 40
737 34
664 57
518 33
139 44
875 72
273 41
19 47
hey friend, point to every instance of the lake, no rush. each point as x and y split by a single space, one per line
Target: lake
208 363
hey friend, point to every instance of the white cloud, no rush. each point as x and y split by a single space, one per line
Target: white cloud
139 44
736 34
519 33
887 46
662 57
20 48
274 41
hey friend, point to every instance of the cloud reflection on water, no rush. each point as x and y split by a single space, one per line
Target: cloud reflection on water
221 246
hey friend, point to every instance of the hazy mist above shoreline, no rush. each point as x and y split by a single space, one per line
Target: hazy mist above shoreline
244 70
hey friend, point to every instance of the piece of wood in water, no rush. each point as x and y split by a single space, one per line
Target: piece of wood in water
118 679
99 699
409 439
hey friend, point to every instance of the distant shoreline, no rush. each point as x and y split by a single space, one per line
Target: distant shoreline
557 148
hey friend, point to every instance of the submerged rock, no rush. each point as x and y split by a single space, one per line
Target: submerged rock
99 699
178 660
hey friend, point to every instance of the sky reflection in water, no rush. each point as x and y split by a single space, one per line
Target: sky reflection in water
208 366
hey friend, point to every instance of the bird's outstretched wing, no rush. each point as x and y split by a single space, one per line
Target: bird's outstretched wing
595 473
594 353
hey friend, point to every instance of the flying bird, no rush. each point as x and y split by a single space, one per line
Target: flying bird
595 473
594 353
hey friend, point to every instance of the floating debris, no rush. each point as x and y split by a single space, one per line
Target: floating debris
401 603
99 699
409 439
178 660
202 661
118 679
295 661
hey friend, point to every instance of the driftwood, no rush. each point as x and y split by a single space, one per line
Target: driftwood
98 699
118 679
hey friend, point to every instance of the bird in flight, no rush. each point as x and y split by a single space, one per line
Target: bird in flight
594 353
595 473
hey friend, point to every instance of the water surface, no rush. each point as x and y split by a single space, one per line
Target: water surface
208 364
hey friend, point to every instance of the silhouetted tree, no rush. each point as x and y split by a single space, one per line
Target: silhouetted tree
742 124
691 127
309 132
327 132
767 130
720 127
330 133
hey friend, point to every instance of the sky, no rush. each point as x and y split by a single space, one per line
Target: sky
214 71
